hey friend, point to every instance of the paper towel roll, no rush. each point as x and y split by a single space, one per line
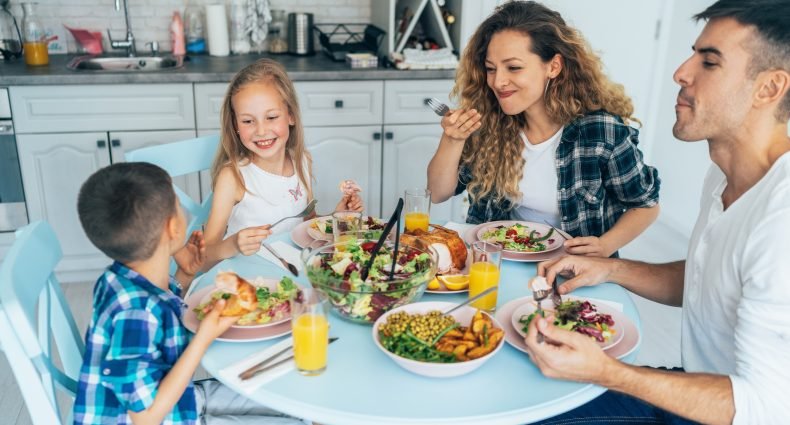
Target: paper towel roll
217 23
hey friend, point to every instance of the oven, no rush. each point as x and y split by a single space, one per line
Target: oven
13 213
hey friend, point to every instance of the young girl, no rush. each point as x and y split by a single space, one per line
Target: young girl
262 171
547 139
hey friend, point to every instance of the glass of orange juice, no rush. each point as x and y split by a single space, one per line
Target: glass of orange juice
310 331
417 209
345 225
484 273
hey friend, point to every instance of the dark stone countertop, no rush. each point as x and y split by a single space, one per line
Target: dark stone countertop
203 69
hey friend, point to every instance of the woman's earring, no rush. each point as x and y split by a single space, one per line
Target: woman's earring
546 89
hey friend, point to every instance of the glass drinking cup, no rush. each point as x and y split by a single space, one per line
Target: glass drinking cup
417 209
484 273
345 224
310 331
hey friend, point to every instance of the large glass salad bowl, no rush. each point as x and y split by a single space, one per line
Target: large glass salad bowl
335 271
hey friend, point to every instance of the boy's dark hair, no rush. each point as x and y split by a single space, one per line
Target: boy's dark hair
124 207
771 49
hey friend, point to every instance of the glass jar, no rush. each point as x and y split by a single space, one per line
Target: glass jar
239 41
277 32
194 29
34 37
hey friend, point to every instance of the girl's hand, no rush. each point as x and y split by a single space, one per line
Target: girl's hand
213 325
350 203
458 125
248 241
191 257
591 246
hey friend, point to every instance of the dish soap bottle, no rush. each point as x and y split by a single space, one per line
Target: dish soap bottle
177 35
194 29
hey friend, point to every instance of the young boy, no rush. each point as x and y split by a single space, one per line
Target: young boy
139 359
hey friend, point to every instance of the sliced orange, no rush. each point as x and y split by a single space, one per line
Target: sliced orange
455 282
434 284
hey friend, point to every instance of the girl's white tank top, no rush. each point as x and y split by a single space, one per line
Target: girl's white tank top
269 197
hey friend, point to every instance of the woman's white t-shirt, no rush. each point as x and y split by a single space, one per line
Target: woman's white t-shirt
269 197
539 183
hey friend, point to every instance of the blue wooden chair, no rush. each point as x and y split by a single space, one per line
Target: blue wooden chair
34 314
179 158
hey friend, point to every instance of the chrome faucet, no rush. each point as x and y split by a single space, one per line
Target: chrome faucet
127 44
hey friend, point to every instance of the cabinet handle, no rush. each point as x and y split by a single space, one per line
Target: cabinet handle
338 104
388 135
115 142
101 143
377 136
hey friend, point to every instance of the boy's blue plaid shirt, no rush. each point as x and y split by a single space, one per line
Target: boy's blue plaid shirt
600 175
135 338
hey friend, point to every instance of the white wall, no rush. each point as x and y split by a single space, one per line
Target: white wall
682 165
150 19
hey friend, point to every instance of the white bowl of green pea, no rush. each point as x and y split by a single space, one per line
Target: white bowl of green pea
409 336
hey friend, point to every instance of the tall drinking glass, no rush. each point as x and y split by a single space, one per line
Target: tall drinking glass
344 226
310 331
484 273
417 209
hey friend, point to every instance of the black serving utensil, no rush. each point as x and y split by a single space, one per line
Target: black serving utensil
397 243
387 229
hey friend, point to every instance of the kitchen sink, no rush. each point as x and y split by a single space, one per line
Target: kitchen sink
125 64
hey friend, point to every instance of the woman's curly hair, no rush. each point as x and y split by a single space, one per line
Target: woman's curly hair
493 153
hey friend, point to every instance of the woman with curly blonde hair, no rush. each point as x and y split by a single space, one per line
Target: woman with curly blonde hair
543 134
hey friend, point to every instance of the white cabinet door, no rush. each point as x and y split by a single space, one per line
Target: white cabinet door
127 141
407 151
54 166
341 153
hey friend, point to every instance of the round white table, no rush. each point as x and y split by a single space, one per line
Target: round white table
362 386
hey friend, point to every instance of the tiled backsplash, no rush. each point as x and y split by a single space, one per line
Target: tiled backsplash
150 19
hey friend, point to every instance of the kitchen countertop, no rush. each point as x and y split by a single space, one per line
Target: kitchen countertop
204 69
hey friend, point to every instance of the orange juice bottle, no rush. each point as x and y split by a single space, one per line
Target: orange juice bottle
483 275
36 53
416 220
311 338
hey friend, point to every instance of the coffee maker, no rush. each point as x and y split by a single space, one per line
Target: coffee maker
10 37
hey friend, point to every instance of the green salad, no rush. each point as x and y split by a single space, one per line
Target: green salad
518 237
339 274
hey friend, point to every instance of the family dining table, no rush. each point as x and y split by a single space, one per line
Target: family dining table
363 386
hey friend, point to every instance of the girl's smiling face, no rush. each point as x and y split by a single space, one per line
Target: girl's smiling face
262 120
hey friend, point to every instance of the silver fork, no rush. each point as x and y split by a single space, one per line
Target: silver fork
555 293
539 296
305 212
440 108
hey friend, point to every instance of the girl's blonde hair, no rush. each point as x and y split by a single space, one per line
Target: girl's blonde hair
232 151
493 153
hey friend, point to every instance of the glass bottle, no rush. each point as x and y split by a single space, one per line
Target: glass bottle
239 41
194 29
277 31
35 44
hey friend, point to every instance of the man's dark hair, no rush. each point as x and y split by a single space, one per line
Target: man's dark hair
771 49
124 207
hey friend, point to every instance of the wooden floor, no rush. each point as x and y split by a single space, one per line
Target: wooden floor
660 324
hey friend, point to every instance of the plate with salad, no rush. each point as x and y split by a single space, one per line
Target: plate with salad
258 303
522 237
598 321
320 229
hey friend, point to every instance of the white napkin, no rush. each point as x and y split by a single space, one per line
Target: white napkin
231 373
285 250
461 228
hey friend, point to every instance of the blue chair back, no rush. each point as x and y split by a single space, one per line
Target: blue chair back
34 313
179 158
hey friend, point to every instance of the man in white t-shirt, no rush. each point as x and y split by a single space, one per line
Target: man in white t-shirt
734 286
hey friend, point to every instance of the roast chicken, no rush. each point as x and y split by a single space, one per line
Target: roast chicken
450 247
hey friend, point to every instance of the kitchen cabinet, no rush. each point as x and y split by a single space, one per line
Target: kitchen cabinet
54 167
341 153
